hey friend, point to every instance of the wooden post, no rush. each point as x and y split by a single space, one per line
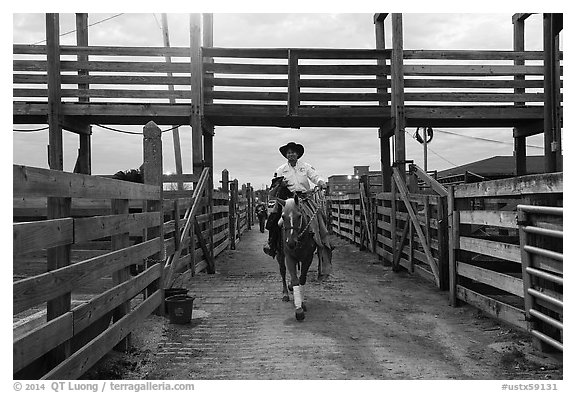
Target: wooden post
85 150
443 242
411 242
249 203
232 213
209 162
519 141
225 182
208 135
172 100
57 257
397 106
552 139
339 219
427 218
196 93
393 227
119 242
293 83
454 241
383 132
152 171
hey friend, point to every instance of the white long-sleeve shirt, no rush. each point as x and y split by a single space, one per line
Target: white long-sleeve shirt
299 176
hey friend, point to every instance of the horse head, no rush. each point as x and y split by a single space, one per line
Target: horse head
292 221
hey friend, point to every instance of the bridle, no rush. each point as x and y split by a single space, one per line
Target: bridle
302 232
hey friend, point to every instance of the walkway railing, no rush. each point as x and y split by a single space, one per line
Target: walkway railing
294 78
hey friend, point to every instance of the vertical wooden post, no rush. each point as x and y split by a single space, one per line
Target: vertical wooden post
393 225
411 242
152 171
293 83
519 141
427 218
232 214
225 182
397 106
454 241
383 132
353 220
57 257
208 135
84 164
249 204
443 242
172 100
552 140
339 218
196 93
119 242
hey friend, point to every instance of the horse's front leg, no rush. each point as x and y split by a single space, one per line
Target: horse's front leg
282 264
306 259
295 281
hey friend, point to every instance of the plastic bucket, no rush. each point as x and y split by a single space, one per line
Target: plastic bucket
179 308
168 292
175 291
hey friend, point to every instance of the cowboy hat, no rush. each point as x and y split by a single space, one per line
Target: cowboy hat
298 148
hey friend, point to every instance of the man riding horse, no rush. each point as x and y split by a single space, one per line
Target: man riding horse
292 178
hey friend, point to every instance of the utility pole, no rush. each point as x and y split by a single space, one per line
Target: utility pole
175 131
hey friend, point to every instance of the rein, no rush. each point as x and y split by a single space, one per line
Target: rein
303 231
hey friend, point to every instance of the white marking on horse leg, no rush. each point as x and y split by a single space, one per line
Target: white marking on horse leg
297 296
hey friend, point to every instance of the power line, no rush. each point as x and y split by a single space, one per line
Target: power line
157 23
133 132
90 25
428 147
101 126
484 139
31 130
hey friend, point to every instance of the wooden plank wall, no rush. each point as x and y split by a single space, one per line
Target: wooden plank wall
485 254
95 293
90 314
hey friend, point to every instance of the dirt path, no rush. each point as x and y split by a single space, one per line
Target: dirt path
364 322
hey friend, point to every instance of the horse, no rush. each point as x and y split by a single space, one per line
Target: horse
262 214
297 250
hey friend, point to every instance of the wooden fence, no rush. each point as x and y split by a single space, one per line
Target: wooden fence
92 256
486 258
71 330
418 242
495 245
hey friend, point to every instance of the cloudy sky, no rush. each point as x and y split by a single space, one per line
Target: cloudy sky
251 153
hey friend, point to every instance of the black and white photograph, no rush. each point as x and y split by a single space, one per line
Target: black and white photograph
295 199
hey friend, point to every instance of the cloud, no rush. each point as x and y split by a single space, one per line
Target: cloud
251 153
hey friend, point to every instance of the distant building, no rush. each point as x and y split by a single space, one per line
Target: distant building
349 184
497 167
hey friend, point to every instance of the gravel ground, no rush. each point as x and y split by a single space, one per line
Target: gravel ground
364 322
